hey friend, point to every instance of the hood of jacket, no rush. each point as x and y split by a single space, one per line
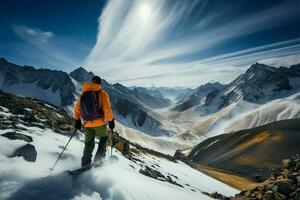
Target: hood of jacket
91 87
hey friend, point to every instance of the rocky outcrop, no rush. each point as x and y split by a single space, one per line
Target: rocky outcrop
284 184
152 173
32 112
28 152
200 96
17 136
81 75
121 144
179 155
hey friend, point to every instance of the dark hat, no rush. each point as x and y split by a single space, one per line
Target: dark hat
96 79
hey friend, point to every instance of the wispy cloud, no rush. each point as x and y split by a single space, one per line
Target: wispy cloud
34 35
281 61
146 42
46 47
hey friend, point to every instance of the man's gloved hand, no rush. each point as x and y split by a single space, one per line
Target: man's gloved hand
78 124
111 124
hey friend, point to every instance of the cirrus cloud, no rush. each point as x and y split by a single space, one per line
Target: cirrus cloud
175 42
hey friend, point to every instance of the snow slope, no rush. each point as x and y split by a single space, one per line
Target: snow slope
188 126
20 179
244 115
32 90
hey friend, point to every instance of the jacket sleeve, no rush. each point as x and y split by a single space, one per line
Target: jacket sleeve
77 109
105 102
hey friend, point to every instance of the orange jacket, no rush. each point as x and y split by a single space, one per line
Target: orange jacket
103 102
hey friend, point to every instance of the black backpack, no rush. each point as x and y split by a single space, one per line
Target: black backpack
89 106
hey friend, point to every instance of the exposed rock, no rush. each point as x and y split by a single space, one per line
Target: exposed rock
28 152
147 171
121 144
17 136
151 172
285 186
216 195
269 195
285 162
282 185
179 155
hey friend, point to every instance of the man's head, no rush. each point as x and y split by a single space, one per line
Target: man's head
96 79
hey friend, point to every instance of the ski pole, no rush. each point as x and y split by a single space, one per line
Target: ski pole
111 143
52 168
112 157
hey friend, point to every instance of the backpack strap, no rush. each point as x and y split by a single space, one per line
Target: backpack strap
98 93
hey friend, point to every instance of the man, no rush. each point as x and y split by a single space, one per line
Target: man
93 107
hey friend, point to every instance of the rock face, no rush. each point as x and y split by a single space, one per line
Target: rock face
17 136
145 97
81 75
200 96
284 184
28 152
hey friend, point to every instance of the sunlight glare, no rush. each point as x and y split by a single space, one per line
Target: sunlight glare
145 11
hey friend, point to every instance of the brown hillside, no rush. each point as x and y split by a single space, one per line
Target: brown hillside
252 153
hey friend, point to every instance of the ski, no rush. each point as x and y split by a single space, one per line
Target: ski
94 165
77 171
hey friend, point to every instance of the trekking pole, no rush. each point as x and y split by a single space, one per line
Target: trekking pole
111 143
112 157
52 168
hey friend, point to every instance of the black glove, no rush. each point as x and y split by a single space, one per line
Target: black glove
77 124
111 124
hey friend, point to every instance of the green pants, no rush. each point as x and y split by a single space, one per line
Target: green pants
90 134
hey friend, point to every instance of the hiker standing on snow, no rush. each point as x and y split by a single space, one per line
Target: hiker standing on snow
93 107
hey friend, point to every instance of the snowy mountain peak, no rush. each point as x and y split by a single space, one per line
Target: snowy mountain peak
43 84
260 67
295 68
81 75
3 60
259 84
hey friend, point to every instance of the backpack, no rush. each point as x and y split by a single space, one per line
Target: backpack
89 106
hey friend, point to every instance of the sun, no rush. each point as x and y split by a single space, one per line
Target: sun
145 11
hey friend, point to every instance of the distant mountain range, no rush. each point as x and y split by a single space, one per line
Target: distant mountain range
135 107
172 93
259 84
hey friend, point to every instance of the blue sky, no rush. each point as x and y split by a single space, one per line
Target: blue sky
50 33
152 42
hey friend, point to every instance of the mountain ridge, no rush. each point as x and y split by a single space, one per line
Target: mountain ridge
259 84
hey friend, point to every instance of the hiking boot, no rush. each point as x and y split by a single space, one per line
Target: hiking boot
98 163
87 166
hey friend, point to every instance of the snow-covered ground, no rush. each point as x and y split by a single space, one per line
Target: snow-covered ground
20 179
244 115
166 145
32 90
